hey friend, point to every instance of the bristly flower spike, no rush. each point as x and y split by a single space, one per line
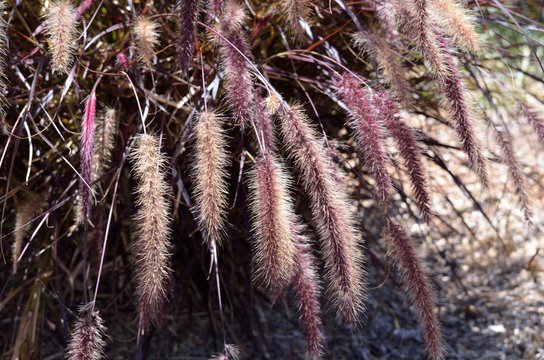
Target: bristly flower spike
274 246
86 153
146 37
87 340
210 161
400 249
455 96
510 159
151 246
331 211
367 131
60 26
409 151
186 12
239 89
307 292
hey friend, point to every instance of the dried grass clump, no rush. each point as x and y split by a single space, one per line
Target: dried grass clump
209 173
60 25
87 340
274 246
331 212
150 247
146 36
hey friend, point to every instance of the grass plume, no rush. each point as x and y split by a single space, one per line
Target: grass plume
331 212
60 25
87 339
150 246
146 36
210 161
274 246
409 152
456 23
400 249
367 131
186 14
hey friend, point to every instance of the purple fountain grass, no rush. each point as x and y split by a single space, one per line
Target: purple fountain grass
400 249
516 172
296 11
367 131
104 143
409 151
455 22
238 82
274 246
146 37
456 101
332 213
381 50
151 247
210 161
307 291
186 14
420 29
3 50
60 26
25 213
87 340
265 125
86 154
534 120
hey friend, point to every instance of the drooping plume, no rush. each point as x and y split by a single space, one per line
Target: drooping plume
274 246
87 340
186 14
332 213
367 131
264 124
239 90
146 37
381 50
30 208
514 167
86 154
420 29
60 26
296 11
210 161
307 291
535 121
459 110
104 143
150 246
400 249
455 22
409 151
3 50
